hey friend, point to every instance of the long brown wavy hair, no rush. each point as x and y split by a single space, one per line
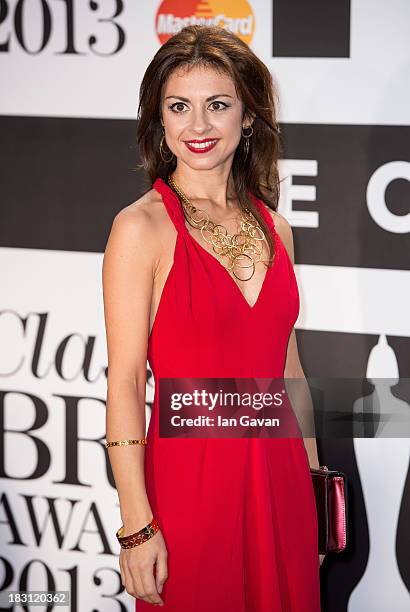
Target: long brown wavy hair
218 48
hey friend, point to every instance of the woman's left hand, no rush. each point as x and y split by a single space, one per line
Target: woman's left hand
321 557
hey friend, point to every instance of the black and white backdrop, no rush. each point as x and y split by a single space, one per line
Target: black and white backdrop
70 73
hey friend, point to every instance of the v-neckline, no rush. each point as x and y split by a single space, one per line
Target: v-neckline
224 271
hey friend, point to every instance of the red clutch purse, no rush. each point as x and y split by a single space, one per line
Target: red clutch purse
331 505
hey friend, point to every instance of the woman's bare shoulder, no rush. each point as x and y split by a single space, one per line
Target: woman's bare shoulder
148 209
284 229
143 219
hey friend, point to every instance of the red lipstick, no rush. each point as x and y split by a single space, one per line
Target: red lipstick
201 146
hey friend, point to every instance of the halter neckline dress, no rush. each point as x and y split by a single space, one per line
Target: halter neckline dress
238 515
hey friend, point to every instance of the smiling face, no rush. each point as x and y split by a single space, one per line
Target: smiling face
202 117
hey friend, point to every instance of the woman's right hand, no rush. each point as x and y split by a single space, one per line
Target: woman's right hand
137 569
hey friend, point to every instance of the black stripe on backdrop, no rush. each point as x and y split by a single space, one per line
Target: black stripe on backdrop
63 180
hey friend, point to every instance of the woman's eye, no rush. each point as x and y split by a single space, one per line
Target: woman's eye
178 107
173 106
220 103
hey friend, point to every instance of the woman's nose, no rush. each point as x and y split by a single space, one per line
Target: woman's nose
200 120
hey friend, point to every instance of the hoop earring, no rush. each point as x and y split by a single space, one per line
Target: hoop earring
247 136
161 151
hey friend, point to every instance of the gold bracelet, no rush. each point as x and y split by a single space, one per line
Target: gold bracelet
143 441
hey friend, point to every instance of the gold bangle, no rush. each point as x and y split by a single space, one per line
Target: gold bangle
143 441
141 536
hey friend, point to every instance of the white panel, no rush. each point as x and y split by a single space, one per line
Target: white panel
354 300
367 88
64 287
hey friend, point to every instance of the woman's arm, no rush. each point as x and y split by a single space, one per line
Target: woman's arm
128 269
300 395
301 398
130 261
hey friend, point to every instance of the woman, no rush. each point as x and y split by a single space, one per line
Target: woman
223 524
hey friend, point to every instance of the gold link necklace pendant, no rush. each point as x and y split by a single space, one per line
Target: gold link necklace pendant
238 248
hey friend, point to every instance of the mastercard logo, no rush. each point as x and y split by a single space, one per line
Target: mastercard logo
234 15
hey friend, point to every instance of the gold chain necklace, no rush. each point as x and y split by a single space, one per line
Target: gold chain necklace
239 247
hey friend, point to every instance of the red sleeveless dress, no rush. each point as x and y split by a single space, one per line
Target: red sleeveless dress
238 515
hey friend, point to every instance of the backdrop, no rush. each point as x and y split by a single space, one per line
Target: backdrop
70 75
